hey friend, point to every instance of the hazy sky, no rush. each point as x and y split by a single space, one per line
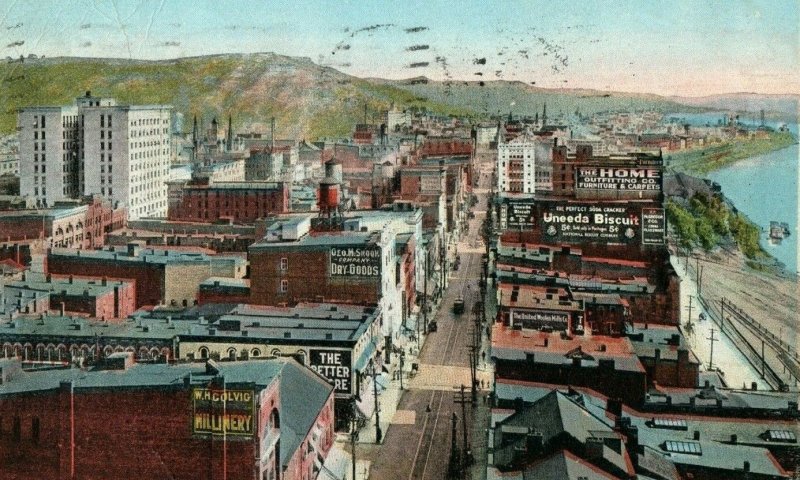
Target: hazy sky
687 47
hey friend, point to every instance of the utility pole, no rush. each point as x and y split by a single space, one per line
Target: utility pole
455 460
762 358
711 356
461 398
473 373
690 308
722 315
425 294
402 360
353 436
377 410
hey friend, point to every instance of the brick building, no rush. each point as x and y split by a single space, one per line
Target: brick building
606 364
356 267
162 276
105 299
212 421
238 202
67 224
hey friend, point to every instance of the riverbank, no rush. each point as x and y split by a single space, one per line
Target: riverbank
768 298
714 156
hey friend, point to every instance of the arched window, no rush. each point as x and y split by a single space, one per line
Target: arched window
203 353
231 353
255 353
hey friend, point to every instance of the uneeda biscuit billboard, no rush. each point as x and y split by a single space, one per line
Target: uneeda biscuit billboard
578 223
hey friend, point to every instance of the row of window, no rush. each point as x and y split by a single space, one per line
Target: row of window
16 429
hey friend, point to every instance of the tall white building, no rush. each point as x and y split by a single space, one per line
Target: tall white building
516 166
120 152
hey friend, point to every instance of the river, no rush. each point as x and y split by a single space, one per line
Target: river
765 188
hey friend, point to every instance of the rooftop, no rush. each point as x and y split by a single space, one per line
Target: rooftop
146 255
261 373
557 348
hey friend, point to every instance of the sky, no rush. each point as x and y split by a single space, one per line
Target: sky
682 47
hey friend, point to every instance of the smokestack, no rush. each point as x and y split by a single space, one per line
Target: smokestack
229 140
272 135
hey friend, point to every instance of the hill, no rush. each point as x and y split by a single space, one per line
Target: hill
306 99
783 107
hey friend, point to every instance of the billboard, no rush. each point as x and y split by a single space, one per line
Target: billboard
536 319
356 262
517 215
218 411
590 222
653 226
335 365
618 179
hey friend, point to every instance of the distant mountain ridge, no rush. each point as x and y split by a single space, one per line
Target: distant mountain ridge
307 100
785 105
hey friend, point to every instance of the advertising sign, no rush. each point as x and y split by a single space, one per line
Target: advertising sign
356 262
585 223
222 412
537 319
335 365
519 215
430 184
636 179
653 226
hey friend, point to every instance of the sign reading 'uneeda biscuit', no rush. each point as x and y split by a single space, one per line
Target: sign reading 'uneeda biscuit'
575 223
355 262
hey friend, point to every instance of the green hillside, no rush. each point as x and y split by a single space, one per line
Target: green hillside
307 100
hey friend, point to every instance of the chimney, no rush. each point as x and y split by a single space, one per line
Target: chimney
614 406
734 438
697 435
746 466
61 309
70 279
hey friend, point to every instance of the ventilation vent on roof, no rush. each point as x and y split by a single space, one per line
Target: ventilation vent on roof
329 336
287 334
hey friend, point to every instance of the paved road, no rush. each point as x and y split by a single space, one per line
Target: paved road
417 444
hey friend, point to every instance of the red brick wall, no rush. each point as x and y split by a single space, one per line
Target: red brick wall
297 464
672 373
210 204
629 386
149 277
117 434
307 278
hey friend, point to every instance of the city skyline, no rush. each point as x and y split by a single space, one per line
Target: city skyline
679 48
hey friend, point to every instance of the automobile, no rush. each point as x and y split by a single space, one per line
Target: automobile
432 326
458 306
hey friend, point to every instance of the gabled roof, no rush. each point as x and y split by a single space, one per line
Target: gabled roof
305 394
564 465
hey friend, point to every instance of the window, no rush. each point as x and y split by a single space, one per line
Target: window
284 286
35 429
785 436
255 353
669 423
284 264
16 429
691 448
203 353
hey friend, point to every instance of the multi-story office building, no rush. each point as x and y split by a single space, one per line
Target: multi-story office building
516 166
121 152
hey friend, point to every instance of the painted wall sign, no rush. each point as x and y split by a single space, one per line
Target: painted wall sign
586 222
222 412
536 319
646 179
517 216
653 226
355 262
335 365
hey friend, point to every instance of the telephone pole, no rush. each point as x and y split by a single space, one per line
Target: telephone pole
461 399
377 409
711 356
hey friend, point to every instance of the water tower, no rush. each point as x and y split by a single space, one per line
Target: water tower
330 194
